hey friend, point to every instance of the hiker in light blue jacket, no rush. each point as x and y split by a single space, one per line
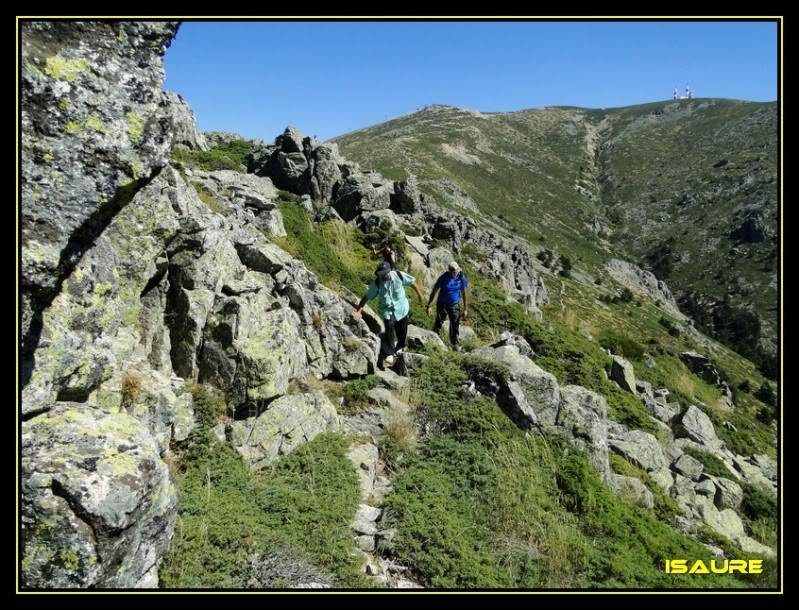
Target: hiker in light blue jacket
394 309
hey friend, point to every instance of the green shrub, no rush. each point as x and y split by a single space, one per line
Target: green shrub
758 503
766 394
482 504
355 394
208 404
712 465
228 515
622 345
225 156
670 327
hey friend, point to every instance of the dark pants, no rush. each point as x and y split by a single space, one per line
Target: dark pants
387 339
454 314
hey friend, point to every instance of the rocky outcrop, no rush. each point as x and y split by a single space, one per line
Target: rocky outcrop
538 388
419 338
304 166
99 506
173 292
289 422
702 366
503 259
621 371
96 127
696 426
184 127
632 490
638 280
251 198
640 448
583 415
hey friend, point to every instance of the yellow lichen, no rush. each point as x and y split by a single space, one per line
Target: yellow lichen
59 67
135 126
96 123
70 559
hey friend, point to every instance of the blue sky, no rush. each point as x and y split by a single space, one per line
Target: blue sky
329 78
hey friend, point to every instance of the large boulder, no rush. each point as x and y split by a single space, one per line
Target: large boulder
379 221
244 190
632 490
336 344
659 409
621 371
111 305
359 193
725 522
290 421
696 426
184 127
688 466
752 474
325 172
420 337
406 198
583 415
641 448
509 338
540 388
645 282
252 348
98 504
702 366
95 127
286 163
728 493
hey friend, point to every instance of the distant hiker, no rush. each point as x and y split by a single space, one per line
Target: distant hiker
450 287
394 309
385 250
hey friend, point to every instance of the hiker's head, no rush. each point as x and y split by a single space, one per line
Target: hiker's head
382 271
454 269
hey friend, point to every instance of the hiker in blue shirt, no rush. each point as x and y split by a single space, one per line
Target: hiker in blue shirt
394 309
450 287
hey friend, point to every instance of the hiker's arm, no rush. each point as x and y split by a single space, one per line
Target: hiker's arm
418 290
432 297
465 303
370 294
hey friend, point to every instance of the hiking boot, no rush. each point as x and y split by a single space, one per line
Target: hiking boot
389 361
398 354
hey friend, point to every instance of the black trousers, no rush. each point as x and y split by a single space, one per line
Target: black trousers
396 331
454 314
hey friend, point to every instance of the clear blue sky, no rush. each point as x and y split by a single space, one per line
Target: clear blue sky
329 78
